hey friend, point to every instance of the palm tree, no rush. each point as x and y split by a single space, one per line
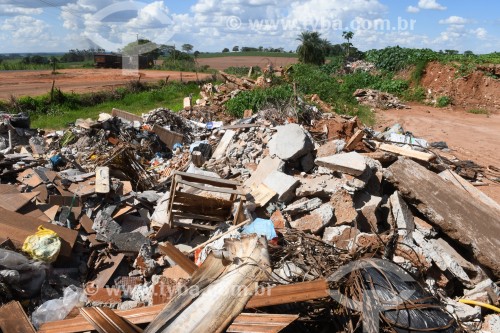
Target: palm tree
312 48
348 35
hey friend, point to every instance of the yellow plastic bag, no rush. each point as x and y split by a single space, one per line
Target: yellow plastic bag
44 245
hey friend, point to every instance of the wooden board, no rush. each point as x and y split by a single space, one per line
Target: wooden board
18 227
13 319
261 323
407 152
220 151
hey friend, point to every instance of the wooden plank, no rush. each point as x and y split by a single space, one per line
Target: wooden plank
240 126
284 294
261 194
457 214
64 200
30 178
178 257
191 177
169 138
461 183
141 315
209 188
102 183
261 323
220 151
182 215
125 115
83 189
15 201
195 226
109 266
18 227
105 320
87 224
354 140
407 152
13 319
198 200
202 210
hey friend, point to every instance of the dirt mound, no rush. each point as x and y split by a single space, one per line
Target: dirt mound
476 90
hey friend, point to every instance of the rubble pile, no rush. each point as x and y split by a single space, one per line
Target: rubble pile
378 99
361 66
148 222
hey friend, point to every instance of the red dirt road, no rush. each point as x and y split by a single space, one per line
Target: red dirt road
33 83
469 136
225 62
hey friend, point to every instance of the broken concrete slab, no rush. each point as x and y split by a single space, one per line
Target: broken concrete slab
266 166
350 163
342 237
403 217
316 221
290 142
464 219
283 184
220 151
367 206
303 206
463 312
319 186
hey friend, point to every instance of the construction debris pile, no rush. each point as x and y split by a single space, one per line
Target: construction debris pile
178 223
378 99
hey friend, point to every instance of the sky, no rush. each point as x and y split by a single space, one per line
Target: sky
212 25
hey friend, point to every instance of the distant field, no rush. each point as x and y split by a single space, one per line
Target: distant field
248 54
222 63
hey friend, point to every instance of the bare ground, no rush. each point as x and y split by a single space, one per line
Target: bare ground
33 83
469 136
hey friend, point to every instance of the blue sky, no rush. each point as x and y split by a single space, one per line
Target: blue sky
211 25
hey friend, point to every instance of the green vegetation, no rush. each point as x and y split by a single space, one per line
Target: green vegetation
312 49
243 71
259 98
479 111
443 101
136 97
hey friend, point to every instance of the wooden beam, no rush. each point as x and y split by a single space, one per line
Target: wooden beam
290 293
178 257
426 157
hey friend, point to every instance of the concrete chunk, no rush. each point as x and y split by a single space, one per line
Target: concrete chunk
265 167
321 186
303 206
367 206
290 142
350 163
460 216
403 216
282 184
342 237
316 221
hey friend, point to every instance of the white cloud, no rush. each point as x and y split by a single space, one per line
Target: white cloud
412 9
7 9
480 33
454 20
430 4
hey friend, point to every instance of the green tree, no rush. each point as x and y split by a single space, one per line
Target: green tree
187 48
143 47
348 35
236 49
225 50
312 48
468 53
196 54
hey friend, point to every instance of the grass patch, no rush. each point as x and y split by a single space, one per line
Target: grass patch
478 111
66 108
259 98
416 94
443 101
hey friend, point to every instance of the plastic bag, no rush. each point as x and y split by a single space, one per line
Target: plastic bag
58 309
44 245
30 275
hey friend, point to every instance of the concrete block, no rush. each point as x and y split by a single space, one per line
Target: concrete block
284 185
265 167
290 142
320 186
367 206
303 206
351 163
491 323
463 312
316 221
403 217
342 237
